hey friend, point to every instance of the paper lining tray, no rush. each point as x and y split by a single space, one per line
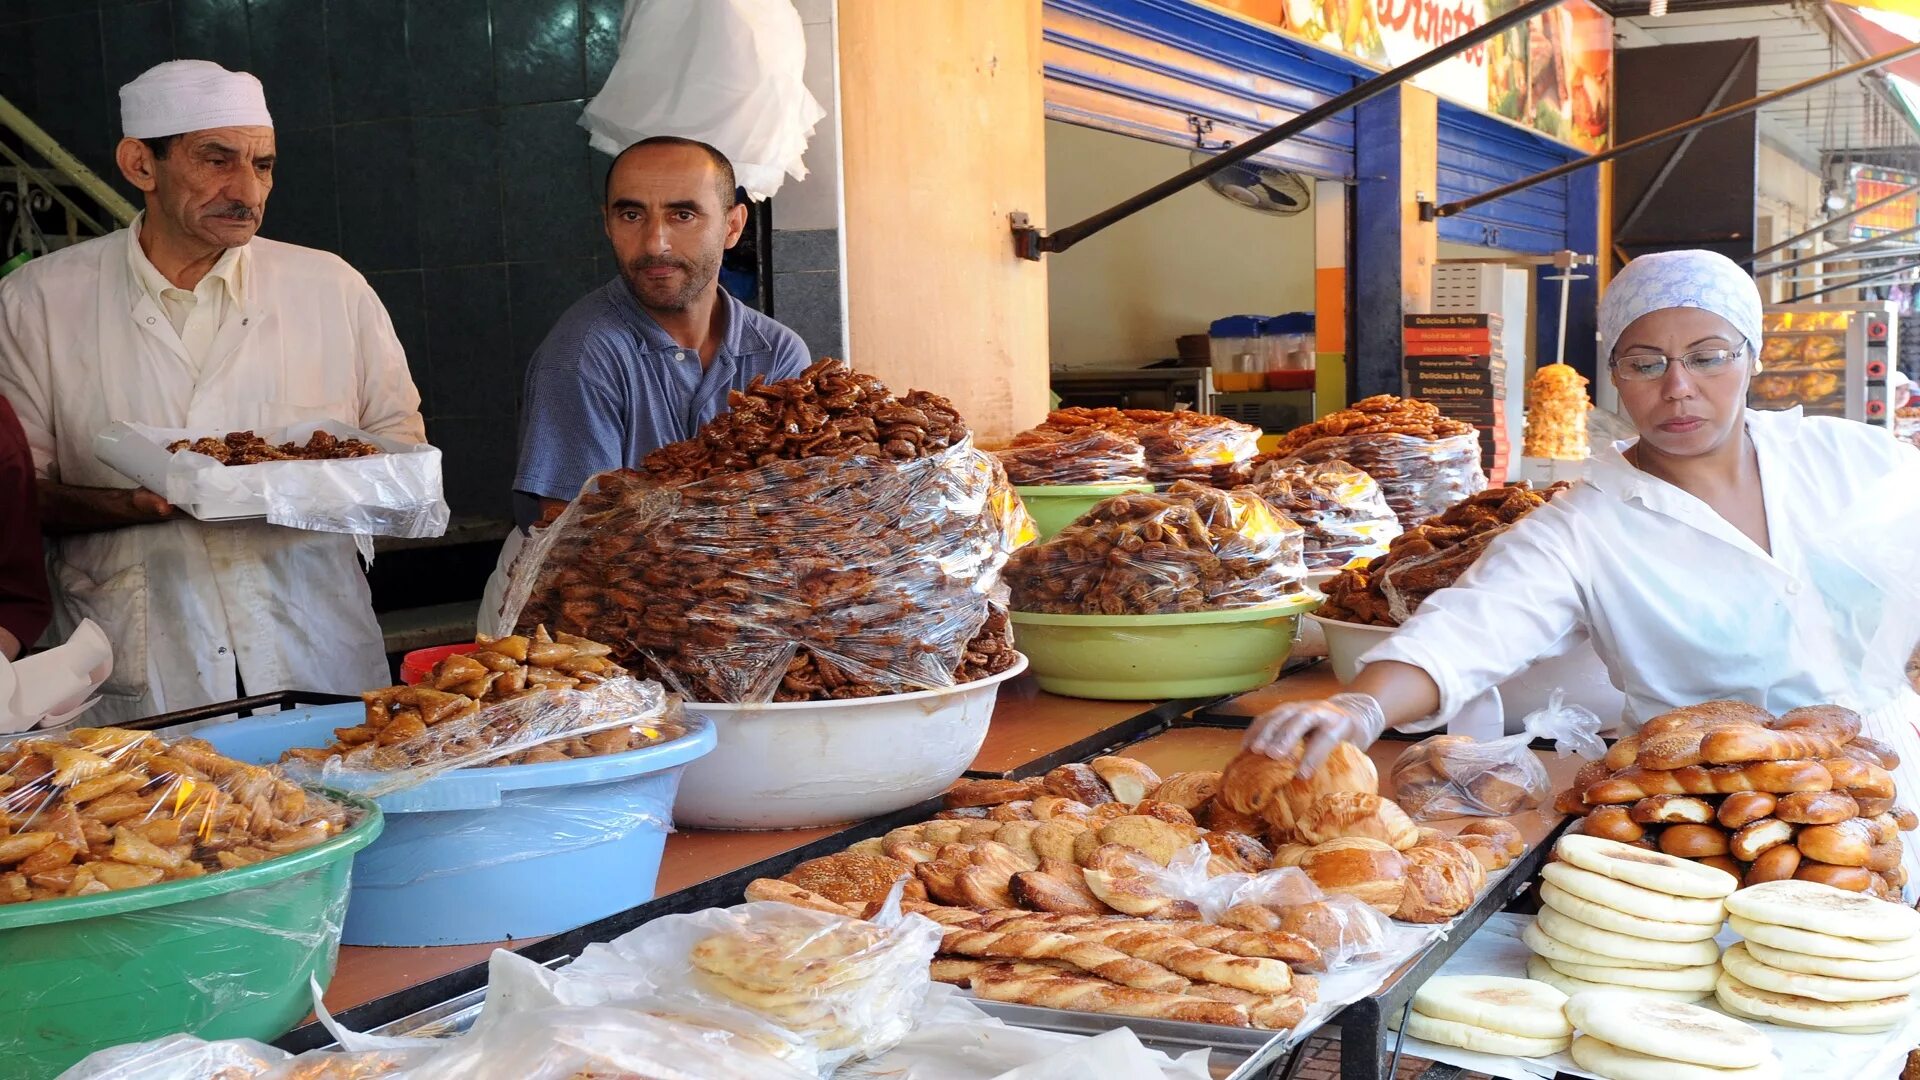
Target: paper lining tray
1238 1053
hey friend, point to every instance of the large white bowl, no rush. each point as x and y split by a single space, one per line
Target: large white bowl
790 765
1579 673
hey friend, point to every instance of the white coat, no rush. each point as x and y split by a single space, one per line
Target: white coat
1683 607
81 346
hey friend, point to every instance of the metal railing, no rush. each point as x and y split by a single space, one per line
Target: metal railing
28 191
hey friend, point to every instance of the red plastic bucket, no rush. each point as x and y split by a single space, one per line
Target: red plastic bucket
418 664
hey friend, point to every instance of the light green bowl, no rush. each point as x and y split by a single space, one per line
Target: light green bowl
1055 507
1155 657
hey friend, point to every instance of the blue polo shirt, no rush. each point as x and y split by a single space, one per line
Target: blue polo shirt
608 386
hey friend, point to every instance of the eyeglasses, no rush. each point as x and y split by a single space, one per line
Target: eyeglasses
1649 367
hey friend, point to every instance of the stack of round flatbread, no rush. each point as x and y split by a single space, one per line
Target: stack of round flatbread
1820 957
1489 1014
836 981
1618 917
1628 1036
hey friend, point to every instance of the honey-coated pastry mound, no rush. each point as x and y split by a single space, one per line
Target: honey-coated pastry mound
247 448
1429 557
1342 511
1557 408
1193 548
824 539
1088 446
92 810
1423 461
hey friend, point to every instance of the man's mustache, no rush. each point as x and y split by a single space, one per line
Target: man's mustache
237 211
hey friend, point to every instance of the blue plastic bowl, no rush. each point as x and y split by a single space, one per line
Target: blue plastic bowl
490 854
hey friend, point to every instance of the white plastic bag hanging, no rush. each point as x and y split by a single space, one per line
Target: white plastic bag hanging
725 72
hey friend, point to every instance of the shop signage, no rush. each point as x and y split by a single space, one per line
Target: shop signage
1870 185
1555 75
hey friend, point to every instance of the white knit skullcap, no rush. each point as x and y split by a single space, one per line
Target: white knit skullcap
190 95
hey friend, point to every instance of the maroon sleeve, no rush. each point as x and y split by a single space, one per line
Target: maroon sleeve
25 606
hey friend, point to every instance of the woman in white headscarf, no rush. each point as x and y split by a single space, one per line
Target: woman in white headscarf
1764 557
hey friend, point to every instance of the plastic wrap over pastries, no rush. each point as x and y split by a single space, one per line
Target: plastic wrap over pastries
1429 557
1105 446
93 810
824 539
1342 510
1193 548
1423 461
1557 414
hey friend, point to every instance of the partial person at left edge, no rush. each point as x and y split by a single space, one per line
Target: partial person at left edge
187 320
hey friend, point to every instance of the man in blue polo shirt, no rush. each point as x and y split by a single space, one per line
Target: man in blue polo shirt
647 358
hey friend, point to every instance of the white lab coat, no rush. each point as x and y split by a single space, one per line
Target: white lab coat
81 345
1682 607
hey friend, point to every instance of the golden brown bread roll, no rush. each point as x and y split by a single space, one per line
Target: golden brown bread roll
1491 853
1848 843
985 793
1290 854
1439 884
1756 838
1189 789
1672 810
1884 857
1346 769
1833 720
1725 864
1859 779
1621 754
1873 752
1017 810
1048 807
1816 807
1730 746
1078 782
1354 813
1129 780
1252 780
1850 878
1218 816
1368 870
1612 823
1871 806
1438 751
1504 789
1906 819
1745 807
1165 811
1774 864
1250 855
852 879
1502 831
1635 783
1694 841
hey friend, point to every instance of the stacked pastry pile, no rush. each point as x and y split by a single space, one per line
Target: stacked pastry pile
1617 916
1801 796
1192 548
1096 446
1557 414
1429 557
1489 1014
1423 461
1345 517
1040 885
1818 957
829 984
246 448
1629 1036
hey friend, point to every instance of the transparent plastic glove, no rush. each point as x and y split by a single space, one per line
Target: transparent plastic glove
1320 725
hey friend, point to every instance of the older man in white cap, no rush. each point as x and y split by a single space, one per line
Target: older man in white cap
187 320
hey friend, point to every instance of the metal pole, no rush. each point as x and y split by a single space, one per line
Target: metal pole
1429 212
1833 253
1831 222
1031 243
1862 280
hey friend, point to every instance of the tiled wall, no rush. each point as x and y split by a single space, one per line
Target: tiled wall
432 143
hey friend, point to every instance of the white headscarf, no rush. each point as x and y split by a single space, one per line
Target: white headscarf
1670 279
190 95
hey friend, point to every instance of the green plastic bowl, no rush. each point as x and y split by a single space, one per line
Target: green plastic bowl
224 956
1154 657
1056 507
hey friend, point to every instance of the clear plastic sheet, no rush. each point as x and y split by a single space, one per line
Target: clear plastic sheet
1179 445
95 810
495 733
801 579
179 1057
845 987
1456 776
1343 510
1419 477
1193 548
395 493
1345 930
1083 455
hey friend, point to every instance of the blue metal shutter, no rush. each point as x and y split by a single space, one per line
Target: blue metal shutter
1479 152
1141 67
